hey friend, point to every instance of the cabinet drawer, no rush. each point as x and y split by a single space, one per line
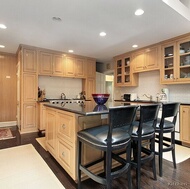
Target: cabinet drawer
66 123
65 157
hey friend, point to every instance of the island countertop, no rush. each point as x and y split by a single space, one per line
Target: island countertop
89 107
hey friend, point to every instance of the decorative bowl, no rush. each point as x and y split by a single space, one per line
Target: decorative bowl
100 99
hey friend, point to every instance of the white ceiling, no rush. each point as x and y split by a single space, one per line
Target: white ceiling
30 22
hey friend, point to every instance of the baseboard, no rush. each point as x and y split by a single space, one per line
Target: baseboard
8 123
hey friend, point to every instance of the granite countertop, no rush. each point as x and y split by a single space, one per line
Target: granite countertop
147 101
89 107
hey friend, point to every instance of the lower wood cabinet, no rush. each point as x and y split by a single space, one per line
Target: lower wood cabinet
61 139
66 158
51 131
41 116
29 119
185 124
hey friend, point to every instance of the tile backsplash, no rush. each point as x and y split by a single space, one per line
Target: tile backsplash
54 86
149 83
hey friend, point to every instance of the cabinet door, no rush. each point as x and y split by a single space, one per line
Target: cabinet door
183 60
124 72
51 131
45 63
168 63
42 117
139 61
90 68
58 65
70 67
151 58
80 67
185 124
118 72
29 60
90 88
29 121
29 87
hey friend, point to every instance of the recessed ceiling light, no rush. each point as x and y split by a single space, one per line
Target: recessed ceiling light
56 19
2 46
102 34
2 26
139 12
135 46
71 51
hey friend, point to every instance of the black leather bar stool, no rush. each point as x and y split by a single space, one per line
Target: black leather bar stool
143 139
169 110
107 138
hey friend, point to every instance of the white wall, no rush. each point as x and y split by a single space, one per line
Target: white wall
149 83
54 86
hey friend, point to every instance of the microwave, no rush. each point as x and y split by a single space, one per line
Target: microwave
130 97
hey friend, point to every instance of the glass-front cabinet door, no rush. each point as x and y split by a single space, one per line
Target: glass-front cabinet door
169 62
123 72
183 59
176 62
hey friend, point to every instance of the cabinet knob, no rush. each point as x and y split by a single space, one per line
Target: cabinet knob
63 126
63 154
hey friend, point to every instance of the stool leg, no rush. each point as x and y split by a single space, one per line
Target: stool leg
138 169
79 163
160 153
153 161
108 169
173 151
129 162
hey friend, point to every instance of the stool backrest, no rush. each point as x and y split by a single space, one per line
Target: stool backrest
122 116
148 114
169 110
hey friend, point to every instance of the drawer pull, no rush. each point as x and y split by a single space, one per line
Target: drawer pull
63 126
63 154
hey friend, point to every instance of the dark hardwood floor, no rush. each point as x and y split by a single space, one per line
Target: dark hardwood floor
172 178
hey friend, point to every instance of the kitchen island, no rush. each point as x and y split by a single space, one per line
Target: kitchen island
63 121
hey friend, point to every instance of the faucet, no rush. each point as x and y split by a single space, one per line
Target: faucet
63 96
148 96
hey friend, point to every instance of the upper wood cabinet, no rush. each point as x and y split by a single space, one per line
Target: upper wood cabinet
30 60
90 68
74 67
176 62
29 87
123 71
146 59
50 63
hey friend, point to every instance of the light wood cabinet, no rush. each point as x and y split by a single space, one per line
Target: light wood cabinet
123 72
146 59
51 131
66 137
176 62
75 67
90 68
89 86
30 60
51 63
29 119
185 124
27 89
42 116
61 138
